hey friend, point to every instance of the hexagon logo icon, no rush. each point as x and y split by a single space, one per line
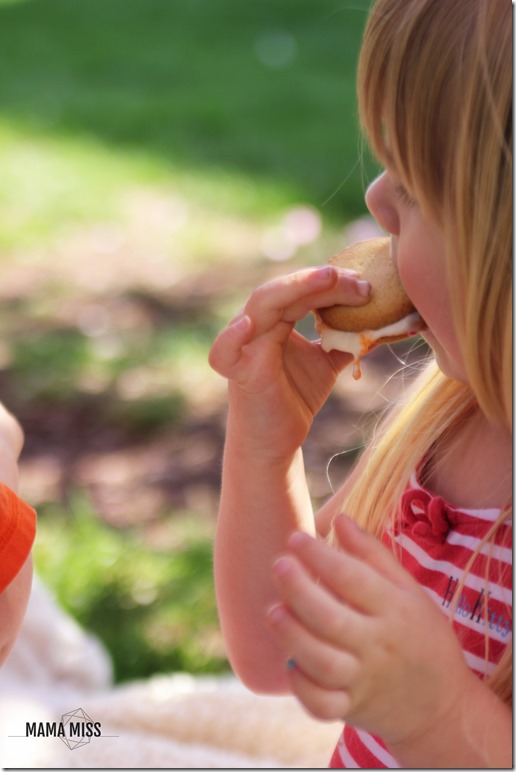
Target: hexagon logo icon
77 726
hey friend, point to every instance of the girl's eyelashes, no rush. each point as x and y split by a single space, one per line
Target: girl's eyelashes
402 195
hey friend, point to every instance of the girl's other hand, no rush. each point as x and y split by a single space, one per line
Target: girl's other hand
369 646
278 380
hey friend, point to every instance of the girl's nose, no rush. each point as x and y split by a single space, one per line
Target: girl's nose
381 203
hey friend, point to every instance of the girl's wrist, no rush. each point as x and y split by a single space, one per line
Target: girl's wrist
258 441
247 452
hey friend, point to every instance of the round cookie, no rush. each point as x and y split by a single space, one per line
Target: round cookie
388 301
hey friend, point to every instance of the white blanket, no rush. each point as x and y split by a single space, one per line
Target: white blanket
167 721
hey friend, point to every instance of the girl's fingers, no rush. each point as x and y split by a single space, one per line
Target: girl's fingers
348 290
370 550
349 578
318 610
325 665
227 348
291 297
274 307
324 704
267 304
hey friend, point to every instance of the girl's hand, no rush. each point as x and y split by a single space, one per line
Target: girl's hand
369 646
278 379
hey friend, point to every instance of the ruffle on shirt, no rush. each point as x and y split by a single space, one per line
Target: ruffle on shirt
429 518
424 515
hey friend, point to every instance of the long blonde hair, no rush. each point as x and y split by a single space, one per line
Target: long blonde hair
435 82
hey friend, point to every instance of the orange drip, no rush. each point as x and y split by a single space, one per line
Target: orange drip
365 345
357 372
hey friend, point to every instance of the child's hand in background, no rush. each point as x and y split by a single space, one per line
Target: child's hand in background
11 444
278 379
370 647
11 433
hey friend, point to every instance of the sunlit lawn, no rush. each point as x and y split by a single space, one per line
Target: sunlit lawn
246 106
173 131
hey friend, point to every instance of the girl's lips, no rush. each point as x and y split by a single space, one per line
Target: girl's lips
427 335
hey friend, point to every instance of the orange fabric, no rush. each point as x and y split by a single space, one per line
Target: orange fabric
17 533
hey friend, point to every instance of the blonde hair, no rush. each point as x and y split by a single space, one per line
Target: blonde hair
435 99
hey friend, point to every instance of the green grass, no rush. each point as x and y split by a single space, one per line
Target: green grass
152 607
58 363
100 94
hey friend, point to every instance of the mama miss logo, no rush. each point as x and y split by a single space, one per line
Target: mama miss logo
75 729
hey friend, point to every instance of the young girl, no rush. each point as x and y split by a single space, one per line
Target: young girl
400 624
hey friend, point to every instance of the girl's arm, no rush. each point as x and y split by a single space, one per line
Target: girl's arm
261 505
277 383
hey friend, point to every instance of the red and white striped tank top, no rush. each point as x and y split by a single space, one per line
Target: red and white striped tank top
434 542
